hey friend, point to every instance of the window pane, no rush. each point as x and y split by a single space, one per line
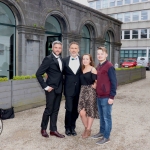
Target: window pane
85 32
120 17
126 34
92 4
134 34
98 4
104 3
85 46
135 1
7 40
127 1
112 3
52 25
127 17
6 15
144 15
119 2
135 16
143 33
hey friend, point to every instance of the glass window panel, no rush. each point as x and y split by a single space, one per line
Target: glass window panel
130 55
85 32
143 33
6 15
119 2
144 15
112 3
92 4
134 34
104 4
52 25
135 1
127 1
98 4
126 55
134 51
139 51
7 52
127 17
120 17
130 51
126 51
85 46
135 16
122 55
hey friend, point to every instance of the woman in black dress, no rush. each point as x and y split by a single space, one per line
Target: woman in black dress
87 106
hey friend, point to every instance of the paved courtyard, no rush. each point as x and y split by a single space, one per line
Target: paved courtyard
131 125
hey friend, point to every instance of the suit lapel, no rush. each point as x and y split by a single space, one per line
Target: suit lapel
56 61
80 64
67 62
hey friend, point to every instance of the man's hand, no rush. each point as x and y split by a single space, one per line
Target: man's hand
110 101
50 89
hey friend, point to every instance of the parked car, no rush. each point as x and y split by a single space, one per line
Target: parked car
143 61
129 63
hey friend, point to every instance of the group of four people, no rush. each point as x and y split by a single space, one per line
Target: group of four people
88 91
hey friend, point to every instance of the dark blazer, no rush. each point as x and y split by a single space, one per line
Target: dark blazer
71 80
50 66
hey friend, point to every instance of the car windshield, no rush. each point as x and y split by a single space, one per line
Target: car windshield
129 60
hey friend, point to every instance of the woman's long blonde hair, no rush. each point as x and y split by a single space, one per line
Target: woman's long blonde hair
91 59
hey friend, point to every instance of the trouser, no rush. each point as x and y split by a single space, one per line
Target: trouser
104 110
71 111
51 111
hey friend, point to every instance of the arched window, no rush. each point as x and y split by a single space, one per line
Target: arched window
85 41
7 41
53 33
52 25
107 44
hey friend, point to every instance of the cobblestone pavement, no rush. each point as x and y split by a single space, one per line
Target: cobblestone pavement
131 125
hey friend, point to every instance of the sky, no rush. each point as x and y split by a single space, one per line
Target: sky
84 2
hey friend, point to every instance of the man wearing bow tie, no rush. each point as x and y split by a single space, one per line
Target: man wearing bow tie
72 71
52 65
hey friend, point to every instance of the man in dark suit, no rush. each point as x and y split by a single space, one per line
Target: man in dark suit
72 71
52 65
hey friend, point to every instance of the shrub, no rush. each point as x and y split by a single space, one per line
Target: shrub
129 68
3 79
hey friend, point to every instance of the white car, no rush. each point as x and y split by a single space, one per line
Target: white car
143 61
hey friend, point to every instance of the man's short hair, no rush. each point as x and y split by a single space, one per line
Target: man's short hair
56 42
73 43
103 49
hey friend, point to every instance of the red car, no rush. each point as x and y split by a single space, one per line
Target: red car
129 63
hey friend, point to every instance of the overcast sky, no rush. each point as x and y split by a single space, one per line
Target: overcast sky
82 2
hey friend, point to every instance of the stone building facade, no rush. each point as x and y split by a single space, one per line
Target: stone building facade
28 27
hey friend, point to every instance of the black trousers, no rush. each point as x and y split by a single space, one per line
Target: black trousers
51 111
71 111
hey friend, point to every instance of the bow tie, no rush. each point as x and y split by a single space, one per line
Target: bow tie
73 58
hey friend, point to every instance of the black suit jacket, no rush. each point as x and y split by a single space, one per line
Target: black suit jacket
50 66
71 80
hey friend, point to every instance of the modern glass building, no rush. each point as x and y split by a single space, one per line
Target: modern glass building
28 28
135 15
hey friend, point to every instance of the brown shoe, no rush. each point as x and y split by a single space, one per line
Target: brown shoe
87 134
44 134
57 134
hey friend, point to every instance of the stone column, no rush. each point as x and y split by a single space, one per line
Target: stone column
31 49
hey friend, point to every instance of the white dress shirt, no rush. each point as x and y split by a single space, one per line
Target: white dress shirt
60 66
74 64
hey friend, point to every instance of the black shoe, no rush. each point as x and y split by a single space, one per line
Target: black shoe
68 132
73 132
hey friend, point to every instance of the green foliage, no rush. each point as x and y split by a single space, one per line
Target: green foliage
129 68
21 77
34 25
33 76
3 79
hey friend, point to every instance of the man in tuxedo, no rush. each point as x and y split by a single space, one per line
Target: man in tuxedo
72 71
52 65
